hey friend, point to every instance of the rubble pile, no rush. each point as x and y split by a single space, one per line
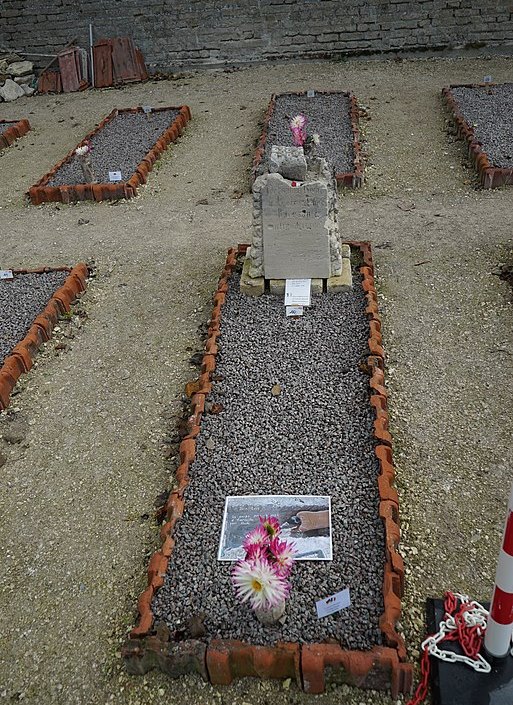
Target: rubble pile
17 77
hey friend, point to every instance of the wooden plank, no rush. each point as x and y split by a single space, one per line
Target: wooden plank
141 66
124 60
102 52
68 68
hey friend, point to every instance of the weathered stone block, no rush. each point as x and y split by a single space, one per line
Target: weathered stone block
20 68
344 281
250 286
290 162
10 91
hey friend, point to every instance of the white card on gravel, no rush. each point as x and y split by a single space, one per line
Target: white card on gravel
6 274
115 176
310 94
297 292
333 603
294 310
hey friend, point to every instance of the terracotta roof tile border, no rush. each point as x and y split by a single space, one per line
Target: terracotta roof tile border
23 354
18 129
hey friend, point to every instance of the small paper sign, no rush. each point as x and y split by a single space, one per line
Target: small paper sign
310 94
297 292
487 79
147 109
294 310
333 603
115 176
6 274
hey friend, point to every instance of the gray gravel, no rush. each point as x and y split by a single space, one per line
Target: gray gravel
314 438
119 146
21 300
489 111
5 126
328 115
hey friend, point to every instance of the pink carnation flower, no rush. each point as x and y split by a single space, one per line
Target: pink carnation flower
282 553
257 537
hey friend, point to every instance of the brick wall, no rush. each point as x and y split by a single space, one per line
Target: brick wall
176 33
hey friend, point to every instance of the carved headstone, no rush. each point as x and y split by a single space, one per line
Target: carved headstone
295 228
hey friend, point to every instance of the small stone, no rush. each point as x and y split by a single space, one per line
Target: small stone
11 91
276 390
25 79
210 444
3 460
28 90
15 433
20 68
286 683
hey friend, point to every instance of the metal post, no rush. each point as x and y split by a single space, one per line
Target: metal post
498 633
92 53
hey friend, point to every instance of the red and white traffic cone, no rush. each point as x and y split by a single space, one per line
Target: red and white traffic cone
497 641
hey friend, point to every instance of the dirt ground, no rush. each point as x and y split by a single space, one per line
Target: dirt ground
77 495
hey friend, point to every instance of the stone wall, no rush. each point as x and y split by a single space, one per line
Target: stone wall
181 33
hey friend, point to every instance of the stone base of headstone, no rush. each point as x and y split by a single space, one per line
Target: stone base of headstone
250 286
344 281
277 286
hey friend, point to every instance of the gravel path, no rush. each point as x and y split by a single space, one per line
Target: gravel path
489 110
328 115
21 300
314 438
119 146
77 496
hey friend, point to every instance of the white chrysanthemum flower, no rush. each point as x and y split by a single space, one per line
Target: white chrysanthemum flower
81 151
259 584
298 122
316 138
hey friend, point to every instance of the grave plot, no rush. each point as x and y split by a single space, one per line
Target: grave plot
283 406
483 117
332 115
31 302
121 152
10 130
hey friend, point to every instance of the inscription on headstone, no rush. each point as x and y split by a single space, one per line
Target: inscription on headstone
295 239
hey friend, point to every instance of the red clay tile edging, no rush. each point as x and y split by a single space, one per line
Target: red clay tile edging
42 193
17 129
312 666
489 175
22 356
352 179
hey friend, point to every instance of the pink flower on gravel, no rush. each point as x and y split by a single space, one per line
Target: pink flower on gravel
298 129
259 584
258 537
299 121
282 553
271 525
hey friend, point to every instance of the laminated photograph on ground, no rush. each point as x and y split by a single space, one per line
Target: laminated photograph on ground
305 520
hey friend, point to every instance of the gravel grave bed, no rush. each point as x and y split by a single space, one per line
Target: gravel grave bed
119 146
315 438
22 299
489 111
328 114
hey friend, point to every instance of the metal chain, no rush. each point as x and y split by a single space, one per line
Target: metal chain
474 616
